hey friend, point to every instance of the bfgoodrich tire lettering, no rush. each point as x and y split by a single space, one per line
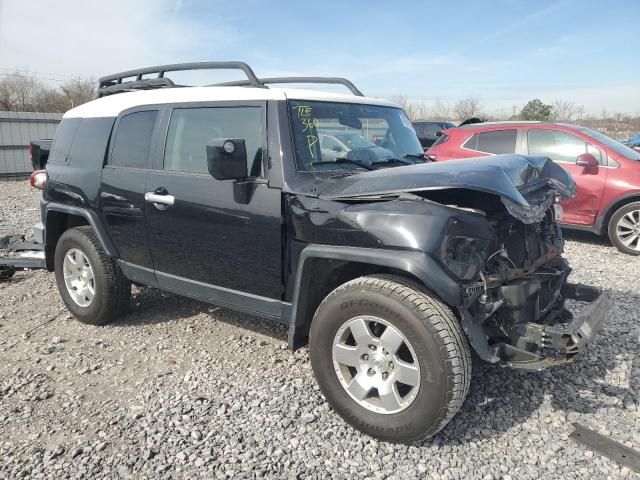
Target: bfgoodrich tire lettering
435 335
111 288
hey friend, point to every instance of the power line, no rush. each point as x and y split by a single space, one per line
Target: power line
27 72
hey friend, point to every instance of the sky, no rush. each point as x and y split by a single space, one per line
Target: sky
504 52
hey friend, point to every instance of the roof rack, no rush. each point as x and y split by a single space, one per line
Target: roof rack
274 80
117 83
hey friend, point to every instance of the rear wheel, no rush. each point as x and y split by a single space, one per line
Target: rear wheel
91 284
390 358
624 228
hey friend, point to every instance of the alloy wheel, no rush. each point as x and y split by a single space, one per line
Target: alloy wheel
376 364
78 277
628 230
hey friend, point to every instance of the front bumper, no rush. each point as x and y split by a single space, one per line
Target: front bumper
552 342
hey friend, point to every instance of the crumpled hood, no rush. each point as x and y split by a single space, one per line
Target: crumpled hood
522 182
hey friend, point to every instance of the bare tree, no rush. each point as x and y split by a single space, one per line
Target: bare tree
467 108
19 92
24 93
79 91
564 110
439 110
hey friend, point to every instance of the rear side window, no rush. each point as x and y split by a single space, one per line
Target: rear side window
496 141
132 140
559 146
441 139
90 145
192 129
63 139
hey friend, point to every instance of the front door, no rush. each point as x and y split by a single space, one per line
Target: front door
203 242
564 148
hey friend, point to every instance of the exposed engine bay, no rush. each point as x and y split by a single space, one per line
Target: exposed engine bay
482 234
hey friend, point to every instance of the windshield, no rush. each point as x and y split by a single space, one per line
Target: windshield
615 145
350 136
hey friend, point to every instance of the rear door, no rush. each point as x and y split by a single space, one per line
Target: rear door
564 148
122 188
203 242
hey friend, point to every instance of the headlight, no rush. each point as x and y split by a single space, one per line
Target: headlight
465 256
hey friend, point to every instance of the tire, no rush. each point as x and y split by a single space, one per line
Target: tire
432 336
624 228
111 289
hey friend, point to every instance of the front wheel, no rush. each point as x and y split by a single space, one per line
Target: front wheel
390 358
624 228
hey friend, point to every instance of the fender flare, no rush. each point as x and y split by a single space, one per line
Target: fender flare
91 217
418 264
600 224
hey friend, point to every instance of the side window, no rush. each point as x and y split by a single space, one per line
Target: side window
132 139
472 143
191 129
596 153
559 146
63 139
497 141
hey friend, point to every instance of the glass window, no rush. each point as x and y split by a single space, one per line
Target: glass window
614 145
192 129
366 134
559 146
133 139
472 143
497 141
63 139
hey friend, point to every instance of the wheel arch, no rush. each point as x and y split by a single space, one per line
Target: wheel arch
613 208
323 268
60 218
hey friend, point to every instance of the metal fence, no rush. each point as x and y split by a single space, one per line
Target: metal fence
17 129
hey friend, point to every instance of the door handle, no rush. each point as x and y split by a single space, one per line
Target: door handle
154 198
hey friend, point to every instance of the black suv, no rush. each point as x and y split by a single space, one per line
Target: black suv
391 268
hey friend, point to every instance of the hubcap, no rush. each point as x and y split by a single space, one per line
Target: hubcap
78 277
376 364
628 230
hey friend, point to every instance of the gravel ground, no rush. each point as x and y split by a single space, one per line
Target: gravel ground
181 389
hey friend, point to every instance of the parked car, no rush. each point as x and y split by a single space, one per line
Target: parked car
428 132
606 172
633 142
343 144
39 152
391 272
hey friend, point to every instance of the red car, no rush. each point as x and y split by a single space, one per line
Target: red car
606 172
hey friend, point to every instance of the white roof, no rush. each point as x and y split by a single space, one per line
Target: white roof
112 105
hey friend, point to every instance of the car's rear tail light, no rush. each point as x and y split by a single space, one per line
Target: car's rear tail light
38 179
30 150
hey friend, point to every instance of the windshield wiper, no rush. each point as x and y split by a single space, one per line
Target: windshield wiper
416 156
343 160
388 161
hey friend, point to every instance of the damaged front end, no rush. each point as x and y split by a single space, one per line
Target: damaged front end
493 225
515 312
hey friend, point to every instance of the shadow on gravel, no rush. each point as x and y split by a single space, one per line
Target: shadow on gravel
501 399
586 237
151 306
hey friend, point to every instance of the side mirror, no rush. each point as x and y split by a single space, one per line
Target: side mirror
588 162
227 159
